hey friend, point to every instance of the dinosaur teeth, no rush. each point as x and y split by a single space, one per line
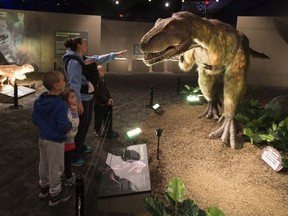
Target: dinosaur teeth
154 55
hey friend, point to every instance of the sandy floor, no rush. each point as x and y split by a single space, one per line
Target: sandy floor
238 181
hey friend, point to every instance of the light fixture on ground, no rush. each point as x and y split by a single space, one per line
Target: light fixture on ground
134 133
195 99
158 109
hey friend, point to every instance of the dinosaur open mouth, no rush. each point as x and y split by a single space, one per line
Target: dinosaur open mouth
151 58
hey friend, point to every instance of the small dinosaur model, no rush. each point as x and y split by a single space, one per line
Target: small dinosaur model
217 49
13 72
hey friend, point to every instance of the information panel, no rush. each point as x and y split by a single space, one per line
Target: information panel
127 172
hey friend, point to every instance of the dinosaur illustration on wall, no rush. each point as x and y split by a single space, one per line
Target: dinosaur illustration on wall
13 72
217 49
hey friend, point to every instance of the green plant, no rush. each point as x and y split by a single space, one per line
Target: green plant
190 90
254 119
277 137
176 203
262 126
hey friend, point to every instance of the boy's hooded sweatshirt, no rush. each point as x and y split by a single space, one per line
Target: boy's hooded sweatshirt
50 116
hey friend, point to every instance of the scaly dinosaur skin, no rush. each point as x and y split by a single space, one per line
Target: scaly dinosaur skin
217 49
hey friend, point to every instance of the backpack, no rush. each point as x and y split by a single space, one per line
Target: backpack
89 71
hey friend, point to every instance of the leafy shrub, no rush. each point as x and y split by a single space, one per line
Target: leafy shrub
264 126
190 90
176 203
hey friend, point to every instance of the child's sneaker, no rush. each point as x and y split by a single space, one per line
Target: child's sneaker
61 197
44 192
71 181
78 163
87 149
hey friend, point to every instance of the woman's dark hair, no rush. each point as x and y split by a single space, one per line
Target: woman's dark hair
73 42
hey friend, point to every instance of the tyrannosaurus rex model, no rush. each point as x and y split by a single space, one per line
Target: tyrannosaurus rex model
217 49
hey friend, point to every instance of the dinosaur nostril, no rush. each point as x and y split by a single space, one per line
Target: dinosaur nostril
143 44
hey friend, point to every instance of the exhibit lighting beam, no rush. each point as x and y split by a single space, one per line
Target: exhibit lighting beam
134 133
156 106
193 98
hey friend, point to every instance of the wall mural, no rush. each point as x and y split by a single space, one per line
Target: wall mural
19 38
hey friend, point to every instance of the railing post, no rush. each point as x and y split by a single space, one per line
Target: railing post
79 194
158 134
16 105
151 96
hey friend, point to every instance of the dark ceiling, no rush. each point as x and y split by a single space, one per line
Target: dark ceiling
150 10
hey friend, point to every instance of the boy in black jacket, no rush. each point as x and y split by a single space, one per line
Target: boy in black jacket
103 107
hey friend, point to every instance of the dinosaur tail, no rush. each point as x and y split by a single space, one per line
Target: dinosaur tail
258 54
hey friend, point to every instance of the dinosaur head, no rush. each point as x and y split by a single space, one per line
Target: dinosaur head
20 73
168 38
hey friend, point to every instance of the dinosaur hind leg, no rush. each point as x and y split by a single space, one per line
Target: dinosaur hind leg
208 86
234 88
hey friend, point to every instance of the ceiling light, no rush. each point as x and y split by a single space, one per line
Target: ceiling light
117 2
167 4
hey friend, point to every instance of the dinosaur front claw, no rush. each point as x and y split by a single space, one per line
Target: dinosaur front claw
211 111
226 132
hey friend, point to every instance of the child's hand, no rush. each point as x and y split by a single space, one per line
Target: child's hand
74 107
80 108
110 102
88 61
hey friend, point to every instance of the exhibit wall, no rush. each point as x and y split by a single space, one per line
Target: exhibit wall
268 35
37 37
19 38
119 35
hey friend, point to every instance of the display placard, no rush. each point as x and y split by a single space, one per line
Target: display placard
272 157
127 172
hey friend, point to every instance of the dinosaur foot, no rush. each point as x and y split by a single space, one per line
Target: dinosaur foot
226 132
211 111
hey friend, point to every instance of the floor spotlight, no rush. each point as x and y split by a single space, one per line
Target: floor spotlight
134 133
195 99
158 109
